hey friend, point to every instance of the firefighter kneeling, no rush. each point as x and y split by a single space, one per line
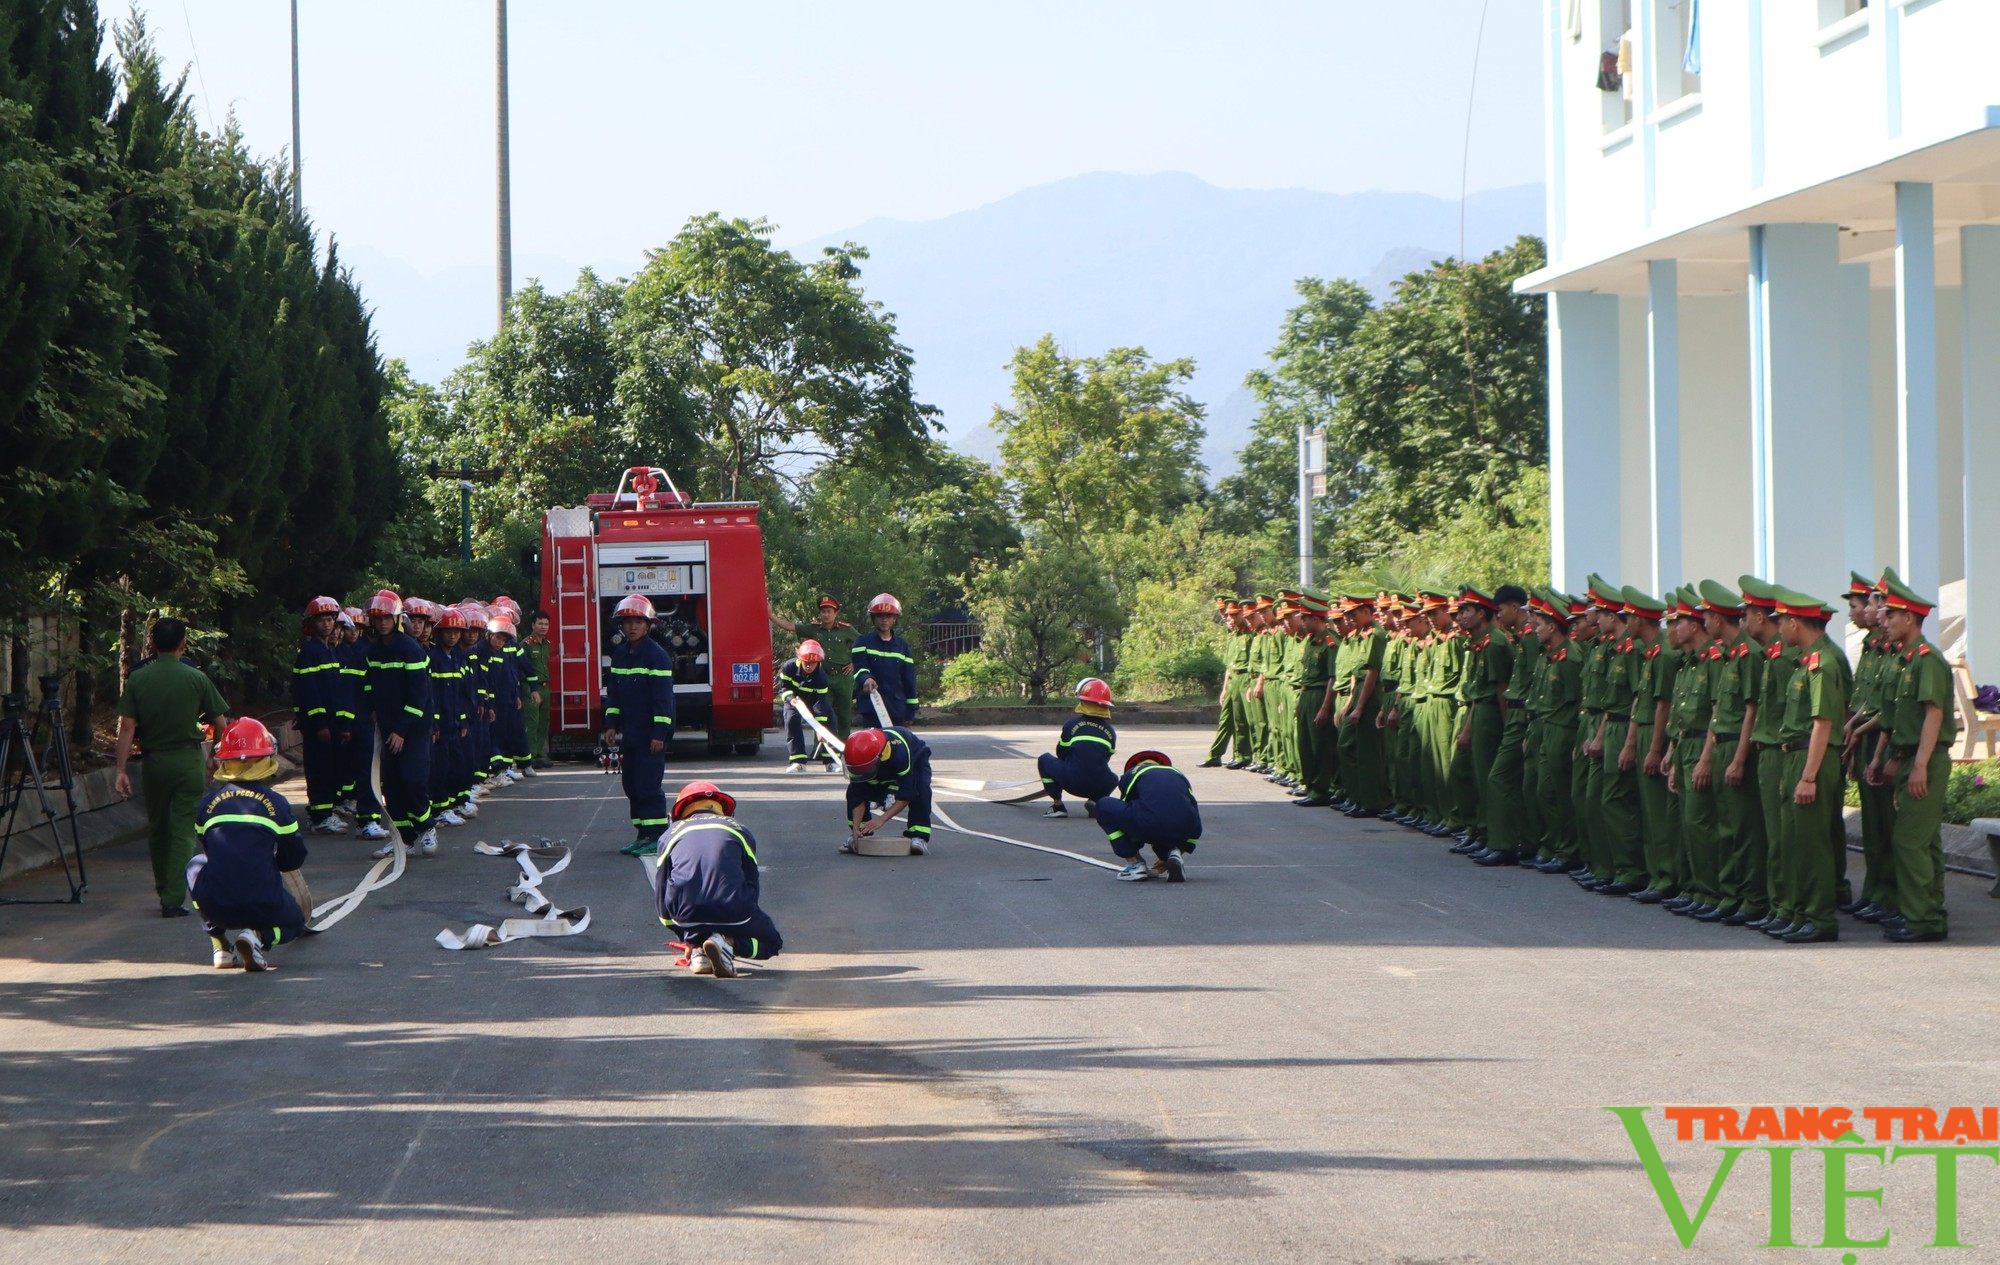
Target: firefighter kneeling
245 881
1155 808
705 884
1081 762
885 763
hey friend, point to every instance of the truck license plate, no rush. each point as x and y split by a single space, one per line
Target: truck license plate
746 673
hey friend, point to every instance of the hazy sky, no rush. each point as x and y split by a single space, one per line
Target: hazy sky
630 115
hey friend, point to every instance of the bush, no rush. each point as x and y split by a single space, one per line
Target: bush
1173 647
977 675
1974 792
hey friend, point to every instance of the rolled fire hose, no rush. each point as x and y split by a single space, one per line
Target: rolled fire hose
526 893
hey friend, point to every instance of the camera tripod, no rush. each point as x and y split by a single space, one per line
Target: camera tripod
15 734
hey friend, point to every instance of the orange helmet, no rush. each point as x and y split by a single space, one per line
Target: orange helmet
322 606
451 617
385 602
1092 690
810 649
694 791
864 748
633 607
885 604
1147 757
246 739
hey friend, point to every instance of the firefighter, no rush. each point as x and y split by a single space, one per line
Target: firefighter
892 762
399 698
639 719
836 640
316 693
1155 808
245 878
503 677
451 710
705 884
804 678
1081 762
518 759
479 680
884 667
355 731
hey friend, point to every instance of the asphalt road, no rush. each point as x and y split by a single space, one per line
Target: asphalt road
1334 1043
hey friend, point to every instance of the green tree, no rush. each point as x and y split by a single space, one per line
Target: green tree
1100 444
1039 609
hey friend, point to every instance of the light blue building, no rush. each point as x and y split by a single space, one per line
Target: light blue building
1774 293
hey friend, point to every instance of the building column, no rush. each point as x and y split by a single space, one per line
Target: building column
1916 389
1583 437
1979 246
1663 399
1857 389
1797 458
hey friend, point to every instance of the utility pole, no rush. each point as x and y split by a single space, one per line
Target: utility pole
506 227
298 193
1308 468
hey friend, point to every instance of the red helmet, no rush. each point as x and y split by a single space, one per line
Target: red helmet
322 606
885 604
1092 690
347 618
633 607
1147 757
864 748
703 790
451 617
246 739
810 649
508 602
420 608
385 602
500 625
354 614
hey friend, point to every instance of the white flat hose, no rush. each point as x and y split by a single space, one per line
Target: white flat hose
380 875
950 783
944 819
528 894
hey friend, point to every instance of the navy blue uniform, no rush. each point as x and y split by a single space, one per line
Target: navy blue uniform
451 713
355 732
1155 807
514 729
479 742
903 772
887 662
639 704
705 881
1081 762
399 696
316 697
510 732
811 688
248 838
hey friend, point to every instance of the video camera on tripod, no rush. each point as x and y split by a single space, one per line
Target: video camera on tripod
20 770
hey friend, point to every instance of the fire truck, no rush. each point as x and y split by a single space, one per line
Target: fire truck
702 565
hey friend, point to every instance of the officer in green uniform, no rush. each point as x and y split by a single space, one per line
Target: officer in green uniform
1394 708
1808 743
1318 757
535 708
162 710
1652 700
1687 720
1874 684
1594 622
1624 833
1513 823
1482 692
836 638
1232 730
1741 846
1915 757
1760 620
1360 704
1290 674
1554 701
1437 705
1258 695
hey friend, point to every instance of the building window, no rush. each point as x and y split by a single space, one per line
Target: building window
1676 52
1617 89
1831 11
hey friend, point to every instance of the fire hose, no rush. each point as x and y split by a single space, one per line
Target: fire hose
528 894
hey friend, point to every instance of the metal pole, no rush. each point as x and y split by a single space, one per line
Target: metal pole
1305 514
298 193
506 228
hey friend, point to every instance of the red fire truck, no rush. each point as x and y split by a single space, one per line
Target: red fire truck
702 565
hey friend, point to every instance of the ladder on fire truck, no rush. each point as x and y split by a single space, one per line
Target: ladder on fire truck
575 619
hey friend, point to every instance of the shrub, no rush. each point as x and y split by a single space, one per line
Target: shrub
977 675
1173 647
1974 791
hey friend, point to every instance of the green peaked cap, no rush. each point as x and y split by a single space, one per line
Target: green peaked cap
1644 605
1722 599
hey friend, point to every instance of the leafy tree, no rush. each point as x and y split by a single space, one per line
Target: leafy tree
1099 444
1038 609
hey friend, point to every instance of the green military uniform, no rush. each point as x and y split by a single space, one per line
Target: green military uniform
1659 809
1284 716
1232 728
1426 747
1687 719
1555 701
1366 650
1923 682
1875 680
1586 780
1395 672
1742 849
1318 756
168 700
1813 833
1488 670
535 715
1623 845
1263 647
838 661
1510 824
1777 662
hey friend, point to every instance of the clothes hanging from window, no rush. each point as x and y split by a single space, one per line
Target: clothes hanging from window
1608 78
1691 63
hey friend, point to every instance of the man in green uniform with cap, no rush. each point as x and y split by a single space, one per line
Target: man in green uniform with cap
1361 738
1389 720
1595 635
1650 745
1687 718
1815 711
162 710
1482 696
1257 695
836 640
1774 677
1915 757
1314 709
1730 756
1618 811
1507 827
1875 679
1232 730
1555 703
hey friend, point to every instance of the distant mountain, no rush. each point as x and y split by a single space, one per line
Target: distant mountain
1166 262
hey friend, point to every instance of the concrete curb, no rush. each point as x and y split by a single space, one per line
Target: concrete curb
1964 848
1054 715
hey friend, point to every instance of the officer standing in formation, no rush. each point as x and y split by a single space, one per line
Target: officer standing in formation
1691 752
